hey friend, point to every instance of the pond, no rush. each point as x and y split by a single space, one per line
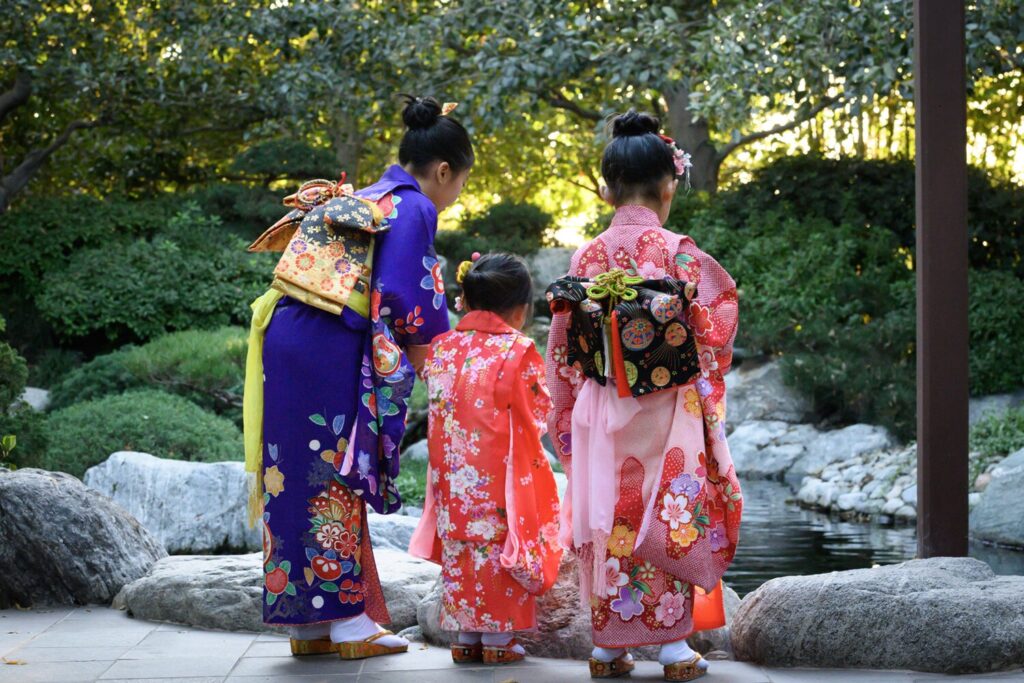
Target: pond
778 538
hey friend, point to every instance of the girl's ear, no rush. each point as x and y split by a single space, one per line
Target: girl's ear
605 194
670 190
443 172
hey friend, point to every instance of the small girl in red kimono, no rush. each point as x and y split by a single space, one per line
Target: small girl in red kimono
491 511
653 504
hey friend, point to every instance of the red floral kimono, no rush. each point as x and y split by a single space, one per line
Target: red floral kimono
491 511
653 504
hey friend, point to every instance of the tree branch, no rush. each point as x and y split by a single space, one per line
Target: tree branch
556 98
17 95
782 128
15 181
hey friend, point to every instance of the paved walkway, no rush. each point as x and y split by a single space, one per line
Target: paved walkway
101 644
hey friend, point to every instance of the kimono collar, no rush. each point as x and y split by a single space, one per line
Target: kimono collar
393 178
485 321
631 214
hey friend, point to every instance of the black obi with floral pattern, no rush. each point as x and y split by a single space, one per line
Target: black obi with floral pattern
651 343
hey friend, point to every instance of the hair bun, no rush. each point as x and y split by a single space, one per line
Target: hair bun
634 123
420 112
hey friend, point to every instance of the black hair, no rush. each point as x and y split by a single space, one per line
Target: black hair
431 137
497 283
637 160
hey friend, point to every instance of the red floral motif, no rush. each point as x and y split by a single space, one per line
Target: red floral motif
700 319
305 261
346 544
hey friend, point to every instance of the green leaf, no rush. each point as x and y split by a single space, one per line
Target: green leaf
290 588
643 588
271 598
318 419
270 566
329 586
286 566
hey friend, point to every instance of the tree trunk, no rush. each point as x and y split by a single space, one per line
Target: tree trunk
348 145
692 137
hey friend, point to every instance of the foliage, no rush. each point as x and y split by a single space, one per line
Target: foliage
13 372
205 366
999 435
28 426
997 332
829 285
285 158
245 211
190 276
506 227
165 425
102 376
880 193
412 482
51 366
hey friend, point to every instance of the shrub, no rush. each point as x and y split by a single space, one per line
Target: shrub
205 366
508 227
243 210
997 332
13 373
51 366
412 482
28 426
999 435
155 422
191 276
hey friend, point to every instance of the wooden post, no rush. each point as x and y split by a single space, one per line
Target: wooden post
942 382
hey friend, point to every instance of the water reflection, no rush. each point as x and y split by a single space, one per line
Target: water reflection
778 538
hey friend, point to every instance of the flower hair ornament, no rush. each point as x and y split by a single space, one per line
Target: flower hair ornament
460 275
680 158
448 108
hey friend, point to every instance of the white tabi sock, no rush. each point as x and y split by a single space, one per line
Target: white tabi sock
310 631
678 651
501 640
468 638
361 628
604 654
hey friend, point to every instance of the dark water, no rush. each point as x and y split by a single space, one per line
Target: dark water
777 538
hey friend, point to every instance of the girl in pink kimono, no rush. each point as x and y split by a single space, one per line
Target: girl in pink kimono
653 504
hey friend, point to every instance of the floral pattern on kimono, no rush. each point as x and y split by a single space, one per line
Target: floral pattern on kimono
678 503
491 514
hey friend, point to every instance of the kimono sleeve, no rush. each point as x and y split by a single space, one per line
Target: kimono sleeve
410 283
564 382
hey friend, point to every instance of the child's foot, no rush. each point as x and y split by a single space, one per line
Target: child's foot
681 662
314 639
610 662
361 637
501 648
469 648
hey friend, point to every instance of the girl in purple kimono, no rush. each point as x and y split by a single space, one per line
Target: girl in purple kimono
324 396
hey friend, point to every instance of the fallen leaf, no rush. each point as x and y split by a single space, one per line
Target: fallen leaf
16 662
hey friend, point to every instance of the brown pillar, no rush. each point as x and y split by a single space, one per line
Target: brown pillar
942 383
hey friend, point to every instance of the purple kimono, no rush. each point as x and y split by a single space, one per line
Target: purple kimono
331 381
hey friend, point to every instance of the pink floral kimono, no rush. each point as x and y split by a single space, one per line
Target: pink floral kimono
491 512
653 505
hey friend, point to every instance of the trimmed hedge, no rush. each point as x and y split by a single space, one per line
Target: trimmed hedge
156 422
506 227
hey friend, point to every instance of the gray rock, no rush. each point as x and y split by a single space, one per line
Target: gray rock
563 626
417 452
192 507
38 399
547 265
226 591
996 404
839 445
891 506
768 449
62 543
947 615
999 517
391 531
756 392
910 495
906 512
208 591
562 483
850 501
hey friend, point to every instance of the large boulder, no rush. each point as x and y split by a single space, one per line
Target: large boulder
38 399
756 392
193 507
391 531
226 592
947 615
773 449
999 517
563 625
63 543
993 405
547 265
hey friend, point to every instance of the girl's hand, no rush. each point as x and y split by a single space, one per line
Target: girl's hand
417 356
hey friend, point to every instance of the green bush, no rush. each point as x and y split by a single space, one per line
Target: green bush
997 332
156 422
997 436
51 366
205 366
29 428
13 372
506 227
412 482
243 210
193 275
